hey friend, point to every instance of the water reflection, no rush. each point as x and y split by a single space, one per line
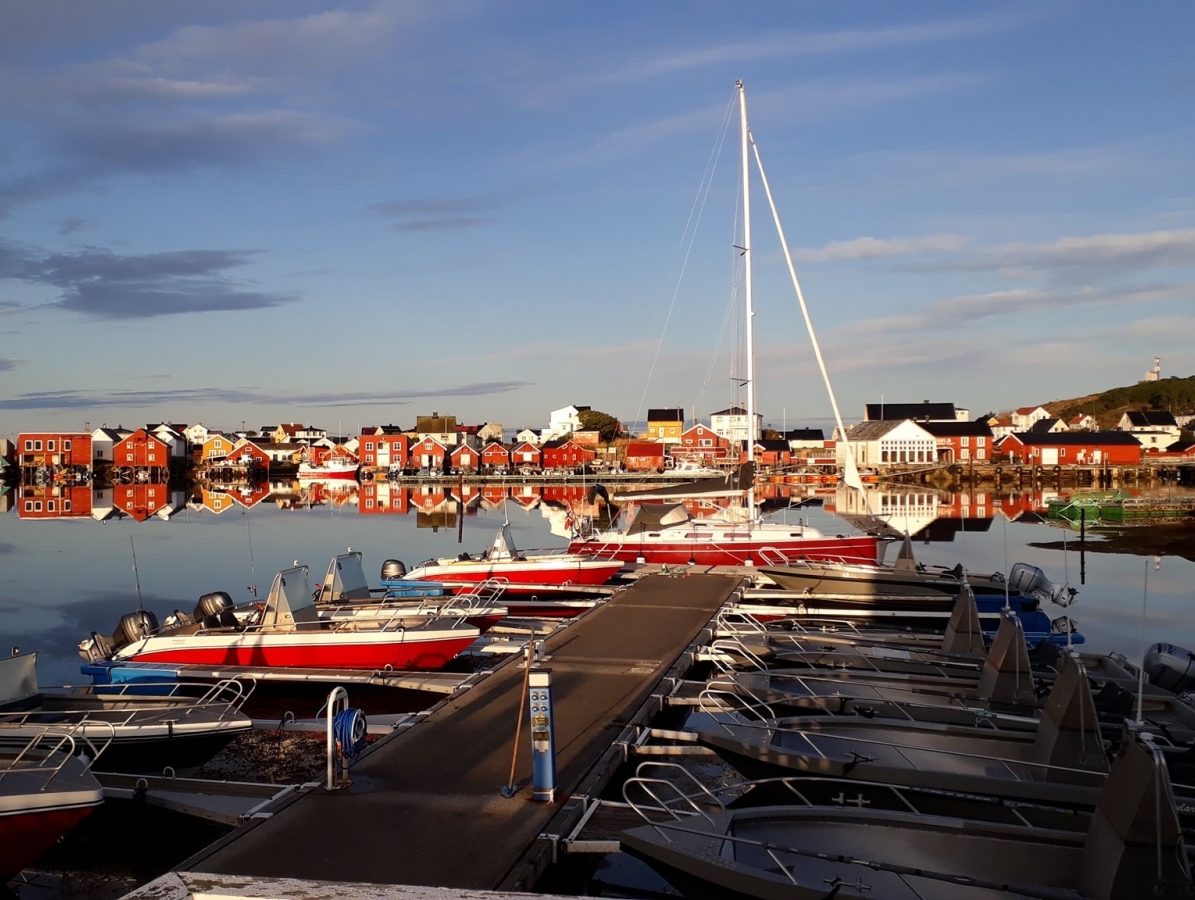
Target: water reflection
65 575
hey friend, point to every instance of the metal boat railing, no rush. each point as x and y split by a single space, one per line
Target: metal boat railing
48 752
225 698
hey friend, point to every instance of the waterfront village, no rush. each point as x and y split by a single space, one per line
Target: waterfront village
892 439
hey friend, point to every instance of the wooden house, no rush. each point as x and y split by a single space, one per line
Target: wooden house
381 497
1080 448
701 444
525 454
644 456
140 501
141 450
384 448
217 448
772 452
887 443
495 457
564 453
428 454
52 449
464 458
961 441
665 424
53 501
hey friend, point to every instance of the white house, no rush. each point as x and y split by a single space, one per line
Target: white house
561 421
527 436
197 434
731 423
104 439
490 431
1153 428
1023 417
886 443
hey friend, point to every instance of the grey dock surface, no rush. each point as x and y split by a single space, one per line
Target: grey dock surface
425 806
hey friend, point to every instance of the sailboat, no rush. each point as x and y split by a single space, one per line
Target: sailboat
665 533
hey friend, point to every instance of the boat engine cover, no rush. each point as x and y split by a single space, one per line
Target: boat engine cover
1170 667
393 569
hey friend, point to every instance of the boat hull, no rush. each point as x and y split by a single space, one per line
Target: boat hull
397 651
865 583
26 836
762 550
557 573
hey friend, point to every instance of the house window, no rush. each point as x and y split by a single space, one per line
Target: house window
50 506
66 506
49 445
37 506
37 445
28 445
152 457
369 445
28 506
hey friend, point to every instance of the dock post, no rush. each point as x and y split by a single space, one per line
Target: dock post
338 699
543 736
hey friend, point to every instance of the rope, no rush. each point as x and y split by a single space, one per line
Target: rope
349 729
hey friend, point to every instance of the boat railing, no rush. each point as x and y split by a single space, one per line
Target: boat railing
49 751
658 800
724 649
716 701
1029 770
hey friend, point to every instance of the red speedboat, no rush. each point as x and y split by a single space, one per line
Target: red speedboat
287 632
504 562
46 789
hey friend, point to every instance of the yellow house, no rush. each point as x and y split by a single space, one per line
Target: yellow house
216 447
665 425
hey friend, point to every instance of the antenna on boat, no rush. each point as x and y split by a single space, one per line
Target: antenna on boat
745 142
136 574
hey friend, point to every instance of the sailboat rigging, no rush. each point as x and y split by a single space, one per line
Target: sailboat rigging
665 533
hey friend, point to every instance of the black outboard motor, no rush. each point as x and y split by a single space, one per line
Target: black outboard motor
393 569
212 605
1170 667
133 627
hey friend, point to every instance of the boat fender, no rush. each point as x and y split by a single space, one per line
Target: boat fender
1170 667
393 569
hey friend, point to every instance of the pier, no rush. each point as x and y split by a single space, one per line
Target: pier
425 806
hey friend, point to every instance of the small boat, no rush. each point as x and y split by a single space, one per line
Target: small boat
287 632
906 576
345 594
333 468
180 726
503 561
46 789
1132 847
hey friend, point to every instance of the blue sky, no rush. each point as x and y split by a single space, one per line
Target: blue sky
356 213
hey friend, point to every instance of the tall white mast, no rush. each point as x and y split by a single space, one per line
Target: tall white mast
750 310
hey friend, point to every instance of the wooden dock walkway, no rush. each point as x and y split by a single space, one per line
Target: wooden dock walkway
425 806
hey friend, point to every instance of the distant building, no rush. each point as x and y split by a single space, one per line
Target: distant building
1048 426
1083 448
886 443
1023 417
701 444
563 421
1154 429
731 423
665 424
961 441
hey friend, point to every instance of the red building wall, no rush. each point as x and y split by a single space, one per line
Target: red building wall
141 450
54 448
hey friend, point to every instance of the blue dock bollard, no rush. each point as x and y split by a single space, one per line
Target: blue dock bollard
543 736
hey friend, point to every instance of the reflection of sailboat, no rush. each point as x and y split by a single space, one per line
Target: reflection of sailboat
665 532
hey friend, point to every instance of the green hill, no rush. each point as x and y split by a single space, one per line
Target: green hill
1174 394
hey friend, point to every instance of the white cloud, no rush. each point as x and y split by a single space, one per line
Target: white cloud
878 248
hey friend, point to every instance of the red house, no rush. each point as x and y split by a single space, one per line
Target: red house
247 453
464 458
495 457
54 502
701 444
380 498
140 501
645 456
772 452
525 454
428 453
961 441
1072 448
54 448
565 453
141 450
384 451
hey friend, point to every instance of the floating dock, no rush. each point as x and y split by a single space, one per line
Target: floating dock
426 806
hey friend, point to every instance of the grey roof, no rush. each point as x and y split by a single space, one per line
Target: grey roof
1042 426
1079 438
871 431
918 412
805 434
665 414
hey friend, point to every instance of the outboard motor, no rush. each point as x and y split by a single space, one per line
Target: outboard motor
95 648
133 627
1170 667
393 569
212 604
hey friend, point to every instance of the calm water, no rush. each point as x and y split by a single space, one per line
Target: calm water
63 577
